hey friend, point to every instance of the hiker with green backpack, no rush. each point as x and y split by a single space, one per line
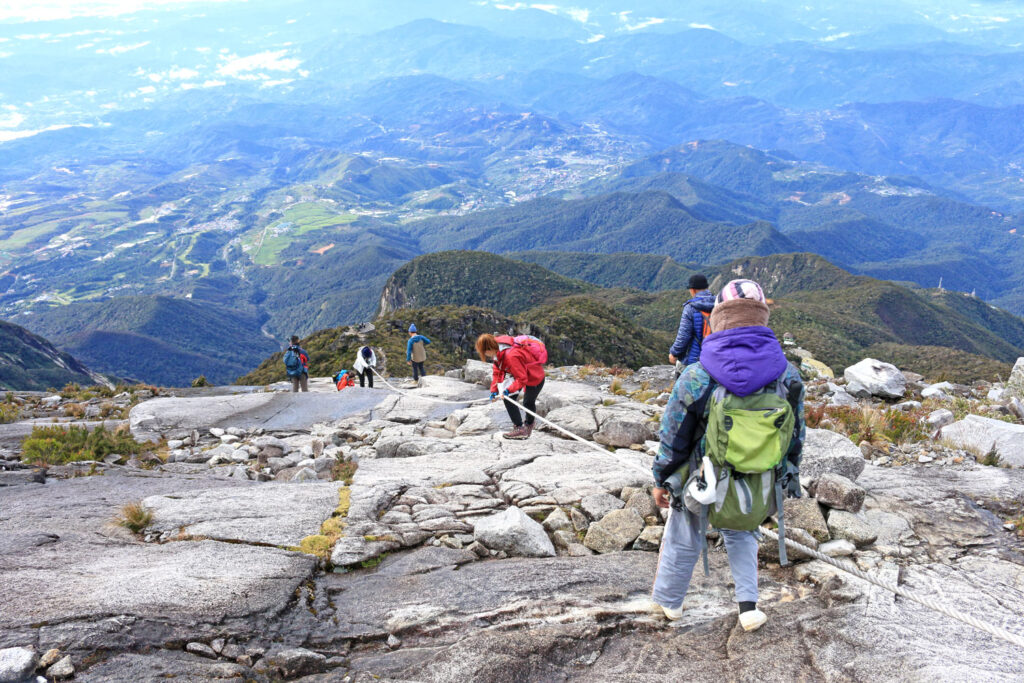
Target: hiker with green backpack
731 439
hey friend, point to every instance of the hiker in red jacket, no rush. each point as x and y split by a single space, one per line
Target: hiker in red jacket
521 358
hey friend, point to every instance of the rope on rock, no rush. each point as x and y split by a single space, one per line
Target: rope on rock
850 568
842 565
427 398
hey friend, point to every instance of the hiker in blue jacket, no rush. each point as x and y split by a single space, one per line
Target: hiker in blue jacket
743 357
416 352
690 336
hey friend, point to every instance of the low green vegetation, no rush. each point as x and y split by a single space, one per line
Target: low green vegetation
472 278
58 445
868 424
297 220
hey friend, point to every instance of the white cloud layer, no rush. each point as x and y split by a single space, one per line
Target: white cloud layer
242 67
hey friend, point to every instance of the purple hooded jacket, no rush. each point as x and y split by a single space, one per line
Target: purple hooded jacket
743 359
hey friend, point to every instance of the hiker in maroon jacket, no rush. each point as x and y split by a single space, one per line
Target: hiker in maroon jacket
523 359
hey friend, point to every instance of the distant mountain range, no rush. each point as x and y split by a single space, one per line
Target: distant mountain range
273 173
30 363
839 317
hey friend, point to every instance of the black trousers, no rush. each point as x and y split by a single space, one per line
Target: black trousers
529 402
417 370
366 376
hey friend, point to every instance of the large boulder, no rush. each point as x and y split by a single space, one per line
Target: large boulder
872 377
615 531
1015 385
827 451
981 434
476 372
574 418
515 533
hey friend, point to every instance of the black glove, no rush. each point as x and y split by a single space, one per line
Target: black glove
791 484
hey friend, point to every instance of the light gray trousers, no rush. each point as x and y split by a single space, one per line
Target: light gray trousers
680 552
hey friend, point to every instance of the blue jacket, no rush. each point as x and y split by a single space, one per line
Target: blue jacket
740 358
691 327
413 340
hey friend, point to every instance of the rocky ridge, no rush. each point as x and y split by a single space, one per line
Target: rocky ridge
455 555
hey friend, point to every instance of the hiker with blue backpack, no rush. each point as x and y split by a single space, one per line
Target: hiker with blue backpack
296 364
518 366
731 438
416 352
693 323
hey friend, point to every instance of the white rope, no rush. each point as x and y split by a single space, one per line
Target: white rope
850 568
847 567
427 398
551 424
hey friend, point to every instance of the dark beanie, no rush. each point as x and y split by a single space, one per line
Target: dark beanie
698 281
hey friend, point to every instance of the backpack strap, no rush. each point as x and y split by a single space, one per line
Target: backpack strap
703 531
783 560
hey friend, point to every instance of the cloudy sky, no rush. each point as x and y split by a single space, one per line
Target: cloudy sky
22 10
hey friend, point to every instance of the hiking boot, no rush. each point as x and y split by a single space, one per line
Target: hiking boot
518 433
529 430
672 614
752 620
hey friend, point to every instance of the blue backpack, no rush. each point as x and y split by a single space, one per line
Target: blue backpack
292 363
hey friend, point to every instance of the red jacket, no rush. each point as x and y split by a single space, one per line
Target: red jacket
526 371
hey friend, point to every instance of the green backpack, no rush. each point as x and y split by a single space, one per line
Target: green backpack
746 440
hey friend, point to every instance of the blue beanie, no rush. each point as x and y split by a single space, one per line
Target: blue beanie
412 328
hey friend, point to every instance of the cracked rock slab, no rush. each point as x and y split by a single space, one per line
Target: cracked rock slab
271 514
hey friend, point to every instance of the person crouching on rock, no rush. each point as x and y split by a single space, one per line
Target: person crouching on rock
731 438
344 380
515 358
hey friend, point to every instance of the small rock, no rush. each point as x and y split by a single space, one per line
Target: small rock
64 668
229 439
564 538
837 548
175 444
938 419
478 548
579 550
513 532
293 662
557 520
450 542
614 531
649 538
600 504
16 663
201 649
922 459
852 527
49 659
218 645
642 502
838 492
216 432
393 642
939 392
579 520
805 513
305 474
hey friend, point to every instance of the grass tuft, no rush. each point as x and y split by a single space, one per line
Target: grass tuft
134 517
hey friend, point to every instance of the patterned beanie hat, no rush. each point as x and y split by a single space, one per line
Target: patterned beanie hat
741 289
